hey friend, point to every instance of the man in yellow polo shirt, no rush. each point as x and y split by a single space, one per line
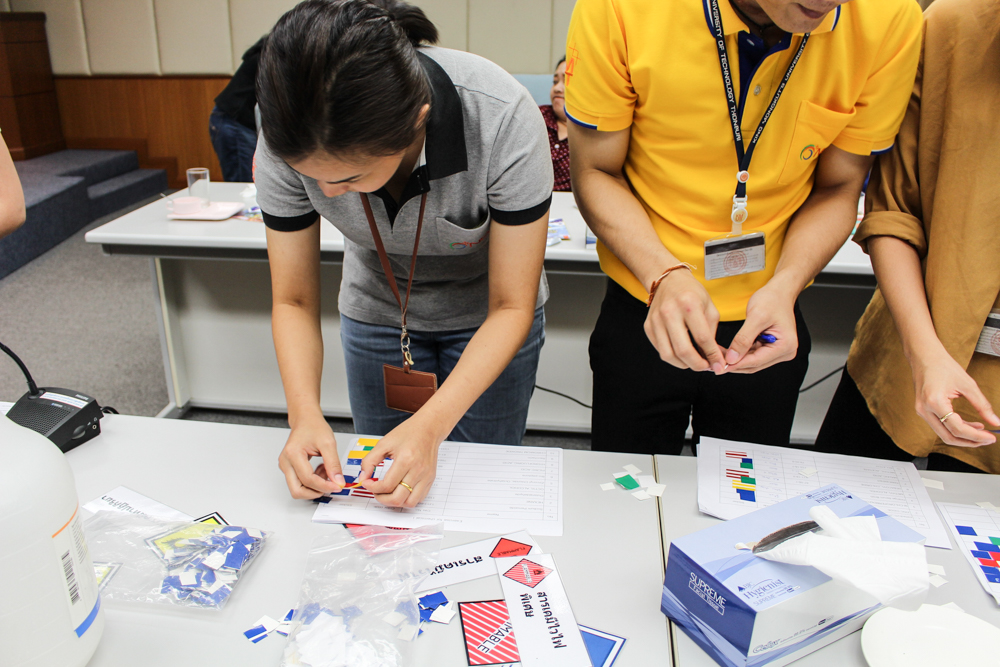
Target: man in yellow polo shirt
719 148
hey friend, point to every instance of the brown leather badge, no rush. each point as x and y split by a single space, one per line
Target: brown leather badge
407 391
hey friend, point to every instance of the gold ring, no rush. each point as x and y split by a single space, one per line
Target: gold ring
946 416
408 487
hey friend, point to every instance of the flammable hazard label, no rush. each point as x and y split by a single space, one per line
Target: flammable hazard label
528 573
506 548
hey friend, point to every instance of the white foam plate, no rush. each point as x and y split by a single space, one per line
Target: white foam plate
931 636
217 210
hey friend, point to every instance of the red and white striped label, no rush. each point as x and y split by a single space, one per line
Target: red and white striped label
528 573
489 636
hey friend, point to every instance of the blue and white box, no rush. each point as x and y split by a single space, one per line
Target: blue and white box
745 611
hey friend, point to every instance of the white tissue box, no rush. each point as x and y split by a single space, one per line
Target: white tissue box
746 611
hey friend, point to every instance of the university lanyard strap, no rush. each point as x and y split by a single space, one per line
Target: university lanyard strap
743 157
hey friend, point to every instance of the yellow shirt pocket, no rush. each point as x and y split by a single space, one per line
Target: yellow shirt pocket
815 129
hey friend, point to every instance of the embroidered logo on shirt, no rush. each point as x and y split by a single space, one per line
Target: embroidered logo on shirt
809 152
571 55
465 245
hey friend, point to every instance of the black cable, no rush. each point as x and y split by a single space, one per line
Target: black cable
559 393
108 410
825 377
32 387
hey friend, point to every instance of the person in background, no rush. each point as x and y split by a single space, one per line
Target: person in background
233 124
700 322
555 120
434 164
923 374
11 196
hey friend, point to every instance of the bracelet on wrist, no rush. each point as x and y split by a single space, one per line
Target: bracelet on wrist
656 283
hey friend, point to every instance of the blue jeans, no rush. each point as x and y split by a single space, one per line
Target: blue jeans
235 145
498 416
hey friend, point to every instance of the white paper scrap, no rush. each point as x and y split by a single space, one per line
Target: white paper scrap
493 489
620 474
607 486
189 578
124 499
772 473
408 632
394 618
989 506
932 483
549 639
641 495
269 624
475 560
808 472
937 580
632 469
974 529
656 490
645 480
443 614
952 605
935 569
215 560
5 407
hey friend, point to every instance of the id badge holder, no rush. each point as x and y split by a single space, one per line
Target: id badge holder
989 338
735 253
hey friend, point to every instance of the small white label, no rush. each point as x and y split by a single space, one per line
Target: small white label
989 338
78 574
734 256
63 398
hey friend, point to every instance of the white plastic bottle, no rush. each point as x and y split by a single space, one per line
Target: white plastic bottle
50 608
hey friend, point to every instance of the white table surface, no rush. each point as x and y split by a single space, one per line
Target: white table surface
149 226
608 557
680 516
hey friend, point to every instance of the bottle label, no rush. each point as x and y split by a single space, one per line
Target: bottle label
78 574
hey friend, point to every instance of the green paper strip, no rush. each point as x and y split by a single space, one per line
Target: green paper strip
995 540
744 464
748 480
627 482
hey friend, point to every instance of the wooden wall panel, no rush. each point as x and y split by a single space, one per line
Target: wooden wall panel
169 113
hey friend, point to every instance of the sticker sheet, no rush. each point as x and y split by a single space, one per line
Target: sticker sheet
540 614
475 560
977 532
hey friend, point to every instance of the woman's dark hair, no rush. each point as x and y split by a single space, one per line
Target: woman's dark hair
342 76
561 61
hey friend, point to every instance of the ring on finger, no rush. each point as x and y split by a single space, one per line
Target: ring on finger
406 486
945 418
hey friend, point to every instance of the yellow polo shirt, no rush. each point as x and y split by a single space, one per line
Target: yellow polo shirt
653 66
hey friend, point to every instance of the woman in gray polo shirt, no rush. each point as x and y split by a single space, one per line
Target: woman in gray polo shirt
356 114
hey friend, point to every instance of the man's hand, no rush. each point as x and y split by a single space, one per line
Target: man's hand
770 310
681 324
413 448
309 438
938 380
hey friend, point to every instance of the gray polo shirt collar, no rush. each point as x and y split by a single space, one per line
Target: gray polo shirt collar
444 145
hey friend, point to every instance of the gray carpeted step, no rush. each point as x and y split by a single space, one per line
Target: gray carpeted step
120 191
93 165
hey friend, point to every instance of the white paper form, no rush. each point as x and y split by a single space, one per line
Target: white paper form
475 560
977 532
735 478
124 499
479 488
546 631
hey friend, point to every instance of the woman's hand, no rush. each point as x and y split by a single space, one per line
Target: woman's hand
311 437
413 448
938 380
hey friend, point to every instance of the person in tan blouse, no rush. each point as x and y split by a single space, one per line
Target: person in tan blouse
915 385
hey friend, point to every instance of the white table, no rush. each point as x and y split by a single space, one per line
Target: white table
680 516
608 557
213 291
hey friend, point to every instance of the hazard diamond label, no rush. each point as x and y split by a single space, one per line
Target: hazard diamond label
528 573
506 548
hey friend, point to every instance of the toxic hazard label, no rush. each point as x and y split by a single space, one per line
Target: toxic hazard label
506 548
528 573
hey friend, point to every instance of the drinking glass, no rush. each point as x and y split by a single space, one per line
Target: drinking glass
198 180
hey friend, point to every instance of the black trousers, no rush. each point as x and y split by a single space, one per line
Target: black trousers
850 428
643 404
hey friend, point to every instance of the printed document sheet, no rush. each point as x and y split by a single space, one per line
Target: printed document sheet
735 478
479 488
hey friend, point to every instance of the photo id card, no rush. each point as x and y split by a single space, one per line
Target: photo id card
734 255
989 338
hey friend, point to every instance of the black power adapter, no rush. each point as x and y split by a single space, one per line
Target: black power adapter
66 417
